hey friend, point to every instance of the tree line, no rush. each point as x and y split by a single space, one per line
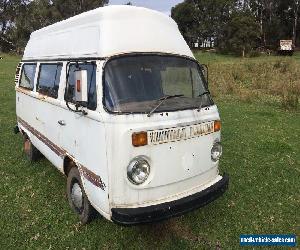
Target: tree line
239 26
19 18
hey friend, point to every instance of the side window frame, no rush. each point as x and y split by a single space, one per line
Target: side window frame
94 75
59 79
34 77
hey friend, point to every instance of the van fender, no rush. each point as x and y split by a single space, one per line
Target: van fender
86 176
70 161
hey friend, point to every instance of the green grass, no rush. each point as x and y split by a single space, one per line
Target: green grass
261 154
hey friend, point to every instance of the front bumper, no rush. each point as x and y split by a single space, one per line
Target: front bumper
142 215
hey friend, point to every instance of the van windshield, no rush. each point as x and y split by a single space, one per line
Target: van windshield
137 84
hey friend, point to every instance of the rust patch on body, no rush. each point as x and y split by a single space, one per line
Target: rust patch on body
27 146
23 90
92 177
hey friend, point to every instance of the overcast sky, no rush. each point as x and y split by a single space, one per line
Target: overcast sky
160 5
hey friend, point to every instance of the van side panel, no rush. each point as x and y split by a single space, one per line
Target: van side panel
35 117
82 137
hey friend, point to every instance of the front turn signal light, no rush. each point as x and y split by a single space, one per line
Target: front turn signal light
139 139
217 126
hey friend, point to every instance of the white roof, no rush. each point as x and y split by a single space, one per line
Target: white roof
105 32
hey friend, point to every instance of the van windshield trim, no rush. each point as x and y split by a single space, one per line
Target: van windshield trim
109 59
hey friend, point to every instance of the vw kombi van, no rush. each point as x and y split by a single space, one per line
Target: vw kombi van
115 99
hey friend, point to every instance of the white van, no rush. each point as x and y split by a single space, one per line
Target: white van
115 99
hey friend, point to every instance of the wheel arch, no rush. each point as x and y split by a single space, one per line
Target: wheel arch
68 164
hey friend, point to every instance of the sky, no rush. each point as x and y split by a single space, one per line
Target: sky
160 5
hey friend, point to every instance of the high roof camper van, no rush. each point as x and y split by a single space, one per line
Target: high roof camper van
115 99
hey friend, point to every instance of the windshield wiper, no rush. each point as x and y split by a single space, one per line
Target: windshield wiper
162 100
201 103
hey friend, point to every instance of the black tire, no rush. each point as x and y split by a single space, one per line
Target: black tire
31 151
85 210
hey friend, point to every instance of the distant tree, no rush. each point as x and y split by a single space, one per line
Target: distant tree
241 33
5 7
278 19
202 19
212 15
185 15
7 16
30 17
295 7
129 3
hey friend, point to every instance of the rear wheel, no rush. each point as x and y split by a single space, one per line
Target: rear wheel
30 150
77 197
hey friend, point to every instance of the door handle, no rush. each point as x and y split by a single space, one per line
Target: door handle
62 122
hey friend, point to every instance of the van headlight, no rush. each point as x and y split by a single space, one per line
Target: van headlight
138 171
216 151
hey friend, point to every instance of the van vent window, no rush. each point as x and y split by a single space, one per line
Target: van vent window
17 76
48 80
27 77
91 77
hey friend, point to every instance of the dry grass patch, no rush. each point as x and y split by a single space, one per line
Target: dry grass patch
258 79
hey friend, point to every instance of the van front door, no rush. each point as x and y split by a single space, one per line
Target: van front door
82 136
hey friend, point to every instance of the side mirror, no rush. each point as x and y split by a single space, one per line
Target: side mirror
204 69
81 86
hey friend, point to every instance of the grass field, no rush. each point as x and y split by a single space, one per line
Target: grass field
261 143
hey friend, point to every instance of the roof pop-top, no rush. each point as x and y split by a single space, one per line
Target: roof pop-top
105 32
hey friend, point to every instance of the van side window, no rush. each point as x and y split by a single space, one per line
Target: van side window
48 80
27 76
91 78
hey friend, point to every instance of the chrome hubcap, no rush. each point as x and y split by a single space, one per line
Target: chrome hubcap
76 195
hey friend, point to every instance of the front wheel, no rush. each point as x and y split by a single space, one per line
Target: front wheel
77 197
